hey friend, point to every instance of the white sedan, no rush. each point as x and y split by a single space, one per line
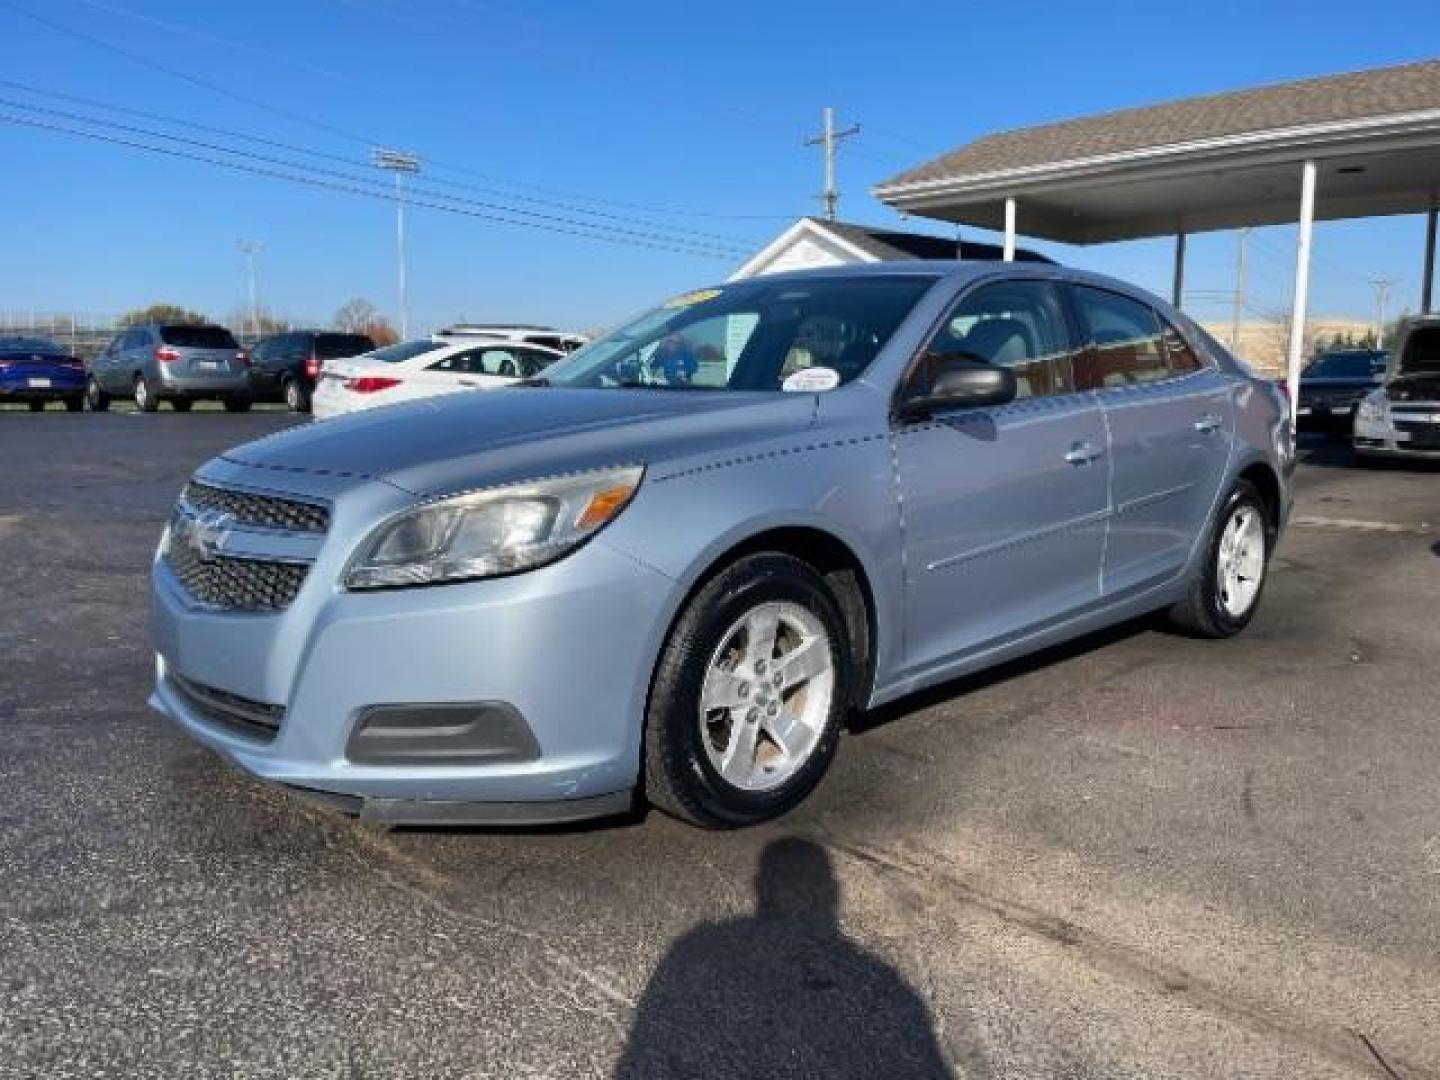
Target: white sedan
417 369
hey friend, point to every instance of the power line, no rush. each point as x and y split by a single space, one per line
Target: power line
699 246
354 162
289 114
581 231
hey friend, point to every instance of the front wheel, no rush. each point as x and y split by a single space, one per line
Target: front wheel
37 406
74 404
182 404
749 697
1226 590
237 404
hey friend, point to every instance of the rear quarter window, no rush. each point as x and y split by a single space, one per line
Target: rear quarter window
339 346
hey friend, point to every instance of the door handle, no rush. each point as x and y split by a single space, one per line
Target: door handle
1081 453
1207 423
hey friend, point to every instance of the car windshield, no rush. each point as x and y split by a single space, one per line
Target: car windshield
198 337
405 350
1347 365
36 345
749 336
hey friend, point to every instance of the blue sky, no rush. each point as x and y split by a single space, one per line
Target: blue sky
689 117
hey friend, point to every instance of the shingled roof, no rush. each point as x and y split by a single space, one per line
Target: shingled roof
1335 98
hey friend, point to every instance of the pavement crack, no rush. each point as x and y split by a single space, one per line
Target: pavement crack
1121 961
426 885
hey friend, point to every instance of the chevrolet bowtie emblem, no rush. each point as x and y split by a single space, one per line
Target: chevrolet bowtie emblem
205 534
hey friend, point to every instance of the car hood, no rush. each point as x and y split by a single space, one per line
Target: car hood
1420 386
448 443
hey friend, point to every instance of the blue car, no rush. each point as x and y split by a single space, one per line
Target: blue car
36 370
634 579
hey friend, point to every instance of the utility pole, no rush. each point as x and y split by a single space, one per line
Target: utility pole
1238 300
830 140
1382 291
251 248
399 163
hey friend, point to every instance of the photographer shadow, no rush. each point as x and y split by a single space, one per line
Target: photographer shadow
782 992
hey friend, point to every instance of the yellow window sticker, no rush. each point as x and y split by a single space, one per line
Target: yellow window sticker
689 299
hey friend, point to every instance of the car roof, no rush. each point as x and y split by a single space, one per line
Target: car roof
961 270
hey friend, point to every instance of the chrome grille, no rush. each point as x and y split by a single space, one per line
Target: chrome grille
237 584
261 511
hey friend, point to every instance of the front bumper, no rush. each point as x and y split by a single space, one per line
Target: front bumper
1409 432
568 648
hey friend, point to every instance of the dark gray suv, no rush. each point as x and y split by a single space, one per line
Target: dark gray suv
175 363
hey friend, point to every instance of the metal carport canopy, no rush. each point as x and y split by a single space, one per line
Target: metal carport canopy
1362 144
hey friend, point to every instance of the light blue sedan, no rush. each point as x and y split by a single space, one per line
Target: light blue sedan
672 567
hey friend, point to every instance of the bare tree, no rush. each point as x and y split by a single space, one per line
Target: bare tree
161 313
360 316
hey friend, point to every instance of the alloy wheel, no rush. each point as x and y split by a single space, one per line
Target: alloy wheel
767 694
1240 561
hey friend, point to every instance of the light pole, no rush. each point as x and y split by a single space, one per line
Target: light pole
399 163
251 248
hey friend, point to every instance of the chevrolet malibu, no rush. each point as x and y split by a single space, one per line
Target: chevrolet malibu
669 568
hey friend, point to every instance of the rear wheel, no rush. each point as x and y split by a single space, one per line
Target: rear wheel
145 399
74 404
1226 591
749 697
237 404
181 404
36 406
96 398
297 398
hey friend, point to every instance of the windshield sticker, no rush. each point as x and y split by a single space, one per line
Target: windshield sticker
811 380
690 299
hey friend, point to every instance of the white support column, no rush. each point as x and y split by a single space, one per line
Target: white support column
1302 286
1009 230
1427 275
1177 285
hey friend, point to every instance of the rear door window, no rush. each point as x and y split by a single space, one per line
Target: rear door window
198 337
1125 346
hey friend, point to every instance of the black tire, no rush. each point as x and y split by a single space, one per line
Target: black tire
237 404
95 398
1201 613
182 404
297 398
74 404
36 406
145 399
679 776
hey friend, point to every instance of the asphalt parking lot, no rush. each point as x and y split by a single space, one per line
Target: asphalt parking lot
1140 855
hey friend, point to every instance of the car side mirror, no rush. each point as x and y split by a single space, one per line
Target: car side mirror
961 381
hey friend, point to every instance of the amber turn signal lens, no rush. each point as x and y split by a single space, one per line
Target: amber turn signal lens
603 506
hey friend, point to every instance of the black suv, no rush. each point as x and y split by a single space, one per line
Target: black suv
1332 385
285 367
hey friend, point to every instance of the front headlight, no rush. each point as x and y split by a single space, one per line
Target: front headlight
486 533
1374 408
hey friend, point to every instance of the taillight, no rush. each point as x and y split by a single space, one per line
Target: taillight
312 366
166 355
369 384
243 357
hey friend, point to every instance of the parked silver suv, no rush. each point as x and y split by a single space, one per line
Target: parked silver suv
674 563
180 364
